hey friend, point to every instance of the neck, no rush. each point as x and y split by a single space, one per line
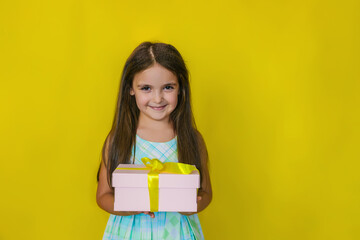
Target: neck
157 131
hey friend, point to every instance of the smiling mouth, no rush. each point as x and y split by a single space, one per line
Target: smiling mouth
158 108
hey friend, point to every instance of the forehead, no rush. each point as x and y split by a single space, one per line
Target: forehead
155 74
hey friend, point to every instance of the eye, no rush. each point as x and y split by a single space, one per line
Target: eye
145 88
169 87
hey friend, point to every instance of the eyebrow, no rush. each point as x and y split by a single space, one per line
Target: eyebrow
167 84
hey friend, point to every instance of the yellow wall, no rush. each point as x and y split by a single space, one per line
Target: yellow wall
275 93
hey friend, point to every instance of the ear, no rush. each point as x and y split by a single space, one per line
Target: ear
132 93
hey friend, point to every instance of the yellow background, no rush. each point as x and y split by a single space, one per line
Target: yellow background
275 93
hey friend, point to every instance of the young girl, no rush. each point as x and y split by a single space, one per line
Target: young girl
153 119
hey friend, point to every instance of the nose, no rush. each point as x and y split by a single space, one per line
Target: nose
158 96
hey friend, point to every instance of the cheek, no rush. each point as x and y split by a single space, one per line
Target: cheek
141 100
174 99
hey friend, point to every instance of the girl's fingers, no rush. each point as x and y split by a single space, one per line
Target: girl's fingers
186 213
151 214
199 198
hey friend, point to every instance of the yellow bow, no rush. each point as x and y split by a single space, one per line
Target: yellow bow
156 167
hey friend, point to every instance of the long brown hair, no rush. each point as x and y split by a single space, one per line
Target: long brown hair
122 135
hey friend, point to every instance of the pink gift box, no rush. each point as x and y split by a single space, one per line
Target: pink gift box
177 192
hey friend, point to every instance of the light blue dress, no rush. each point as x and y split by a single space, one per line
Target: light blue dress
165 225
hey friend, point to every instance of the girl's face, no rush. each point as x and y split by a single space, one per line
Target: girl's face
156 92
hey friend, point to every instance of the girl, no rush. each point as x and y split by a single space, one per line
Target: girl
153 119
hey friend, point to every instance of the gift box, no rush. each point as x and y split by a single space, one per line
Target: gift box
172 192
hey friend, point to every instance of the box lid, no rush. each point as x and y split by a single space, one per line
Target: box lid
138 178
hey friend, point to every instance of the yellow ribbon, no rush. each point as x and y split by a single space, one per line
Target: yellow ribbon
156 167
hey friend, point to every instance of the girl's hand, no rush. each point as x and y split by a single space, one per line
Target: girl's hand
191 213
151 214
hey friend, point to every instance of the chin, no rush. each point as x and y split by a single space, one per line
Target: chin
160 118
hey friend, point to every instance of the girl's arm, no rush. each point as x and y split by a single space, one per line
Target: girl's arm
105 194
205 191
